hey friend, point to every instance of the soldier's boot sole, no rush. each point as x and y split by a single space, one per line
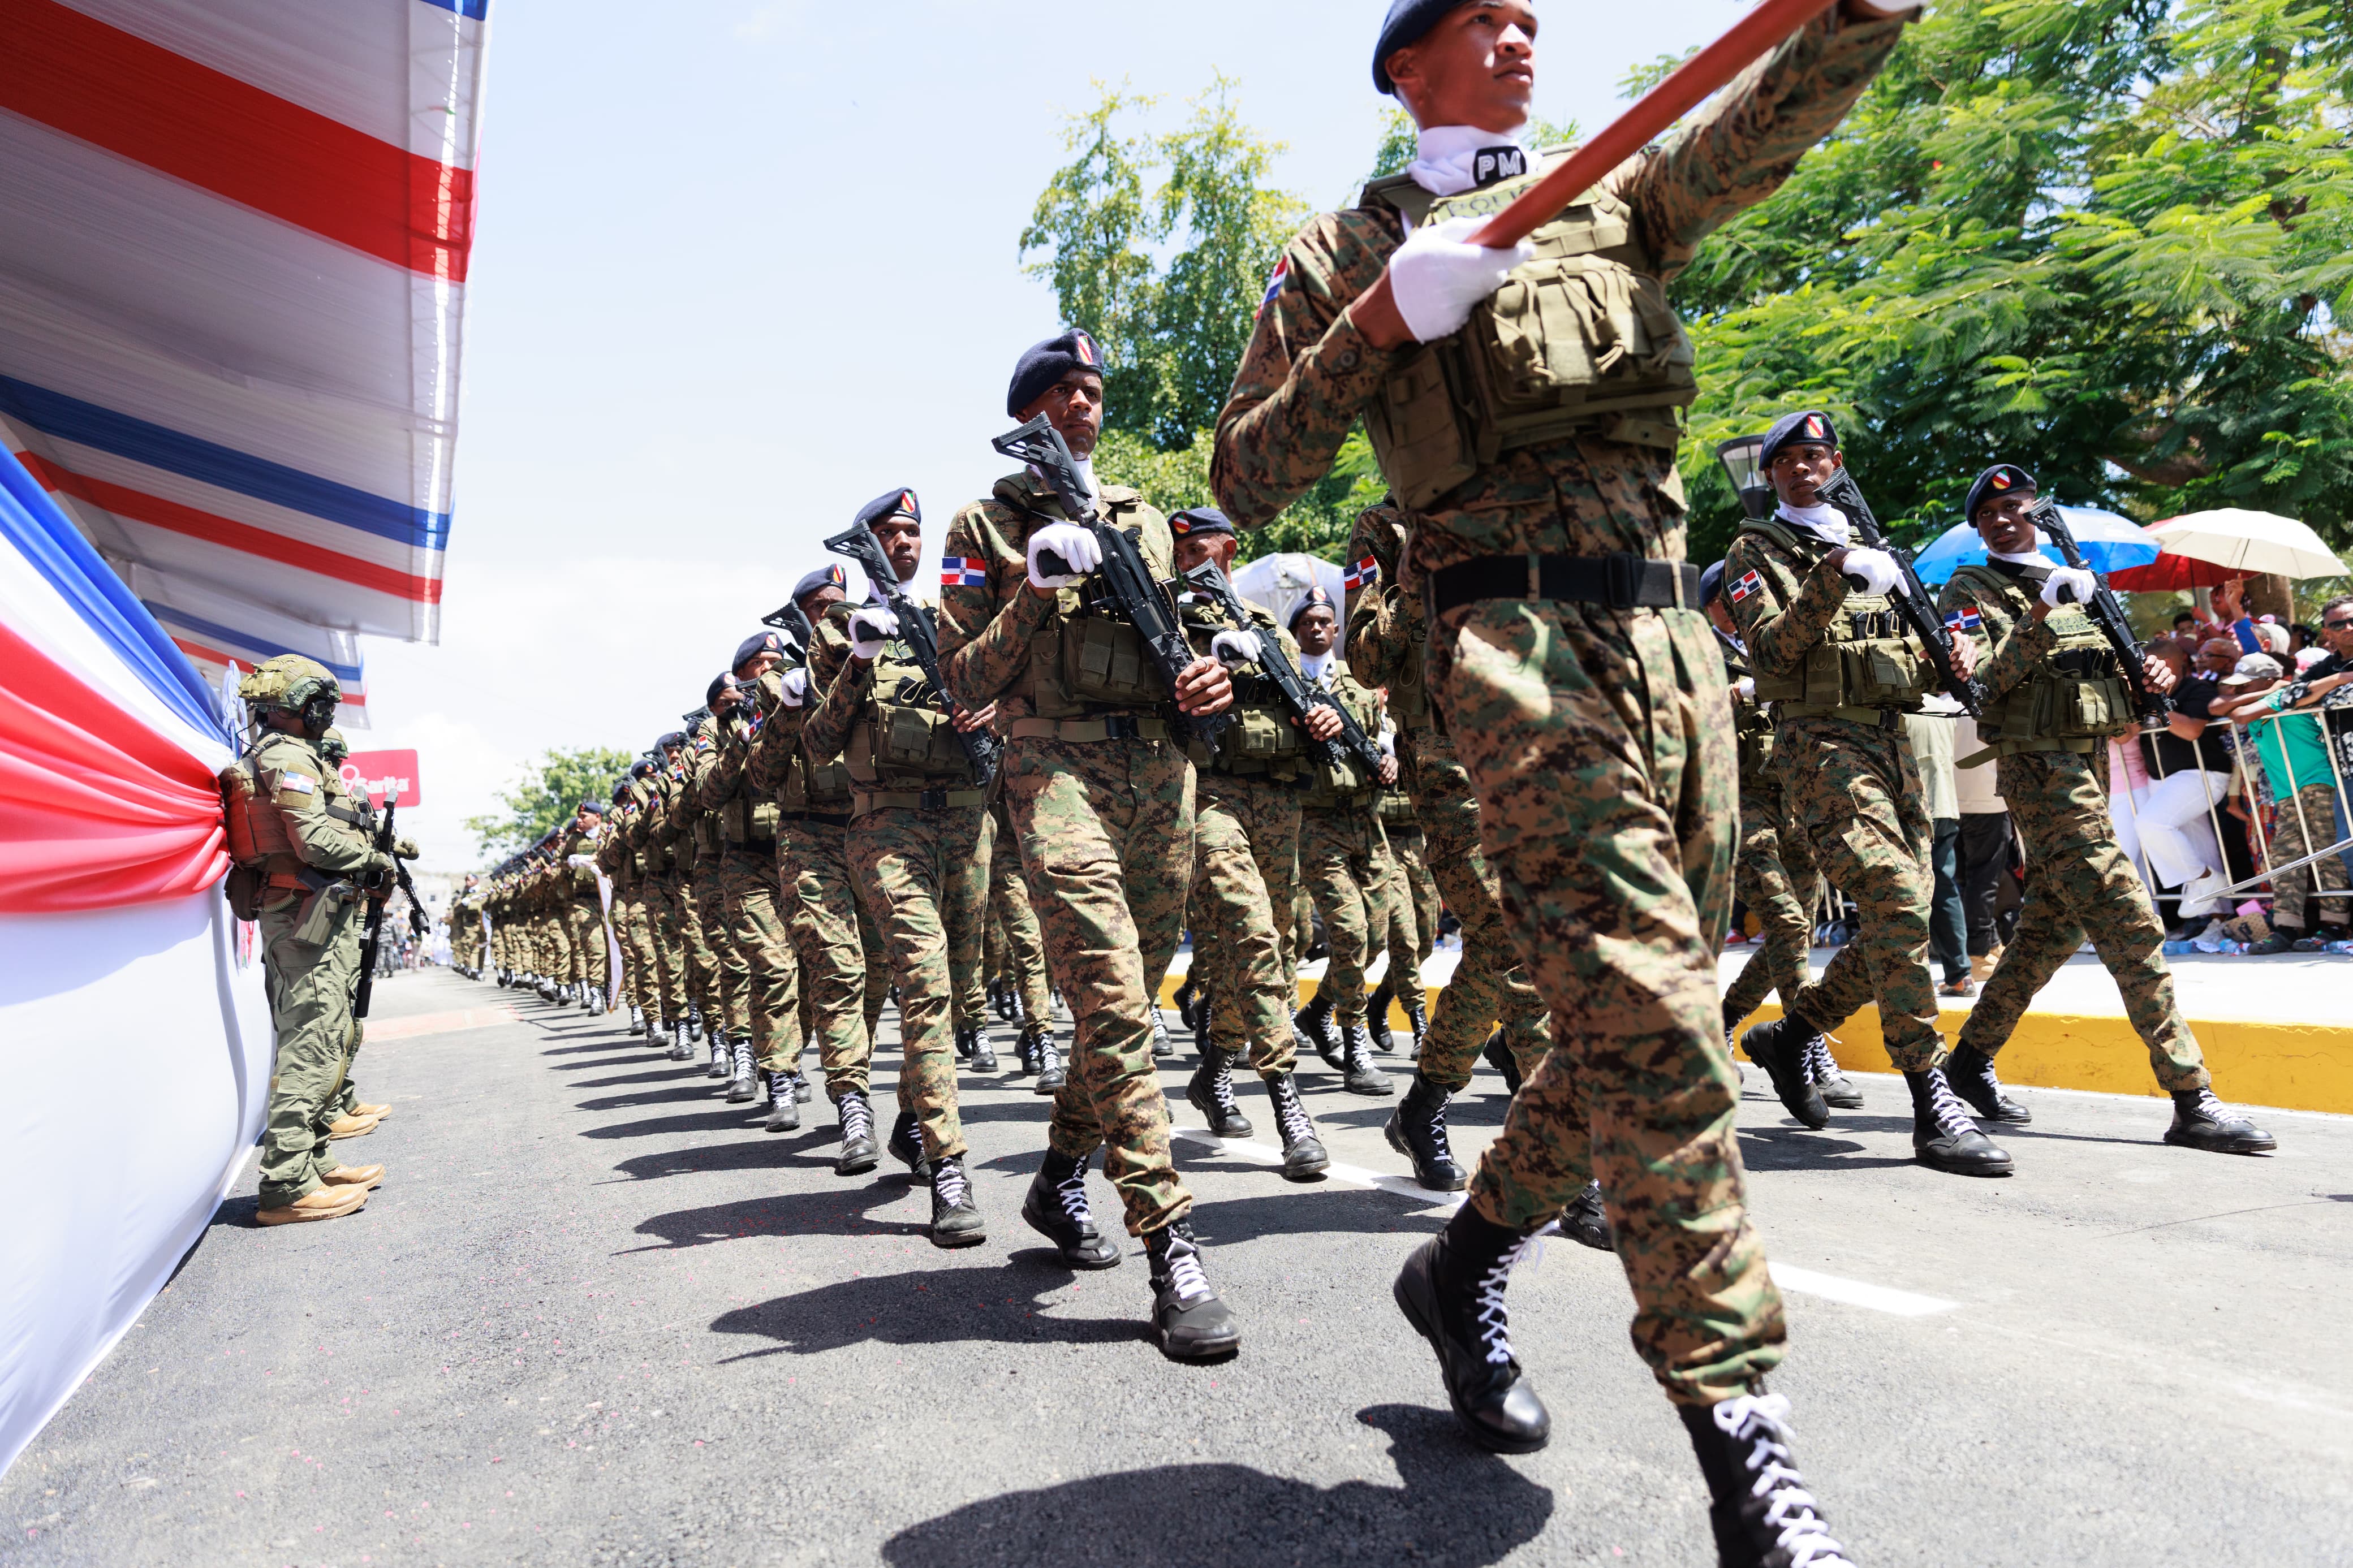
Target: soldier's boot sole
857 1159
303 1210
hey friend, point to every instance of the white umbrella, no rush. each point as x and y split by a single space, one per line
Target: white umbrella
1279 581
2249 542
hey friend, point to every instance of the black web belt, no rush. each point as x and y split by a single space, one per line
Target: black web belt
824 818
1622 582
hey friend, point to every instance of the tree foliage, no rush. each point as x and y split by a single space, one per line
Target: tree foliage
2108 239
550 792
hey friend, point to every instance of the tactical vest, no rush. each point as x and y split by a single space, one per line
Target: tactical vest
1086 659
1866 661
904 740
1579 339
2071 700
653 856
1752 732
1347 785
1397 812
743 816
1260 741
810 787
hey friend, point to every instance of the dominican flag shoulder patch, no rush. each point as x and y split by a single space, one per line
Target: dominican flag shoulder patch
1275 284
1749 582
1362 574
962 572
1964 620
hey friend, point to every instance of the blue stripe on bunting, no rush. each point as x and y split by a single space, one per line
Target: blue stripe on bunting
228 639
30 521
88 425
479 10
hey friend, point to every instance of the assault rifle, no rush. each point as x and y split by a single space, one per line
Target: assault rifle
1912 600
1297 695
1127 584
371 943
2107 613
915 629
788 619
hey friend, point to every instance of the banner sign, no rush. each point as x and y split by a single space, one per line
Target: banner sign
383 773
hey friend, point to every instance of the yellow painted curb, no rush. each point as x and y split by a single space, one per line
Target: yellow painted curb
2298 1067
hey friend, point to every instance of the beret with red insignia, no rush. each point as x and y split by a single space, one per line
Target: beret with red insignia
2001 480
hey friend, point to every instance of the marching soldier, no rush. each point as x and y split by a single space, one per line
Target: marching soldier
1583 693
619 861
580 908
1840 669
750 882
2055 695
658 887
727 1003
916 810
1413 913
305 871
1100 793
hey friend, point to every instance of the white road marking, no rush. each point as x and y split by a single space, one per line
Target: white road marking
1788 1277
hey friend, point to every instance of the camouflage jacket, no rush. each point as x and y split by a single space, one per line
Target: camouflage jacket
1309 372
322 820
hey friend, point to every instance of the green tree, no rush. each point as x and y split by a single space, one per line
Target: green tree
2105 239
551 790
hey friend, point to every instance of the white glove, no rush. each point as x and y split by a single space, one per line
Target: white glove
1437 275
1075 546
795 687
1875 567
1234 649
1745 688
2079 583
870 628
1387 739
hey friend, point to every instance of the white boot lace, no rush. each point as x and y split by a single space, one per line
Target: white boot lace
1072 1192
1186 1279
1291 1117
1221 1090
1762 1421
857 1120
948 1182
1821 1066
1494 1319
1945 1107
2211 1108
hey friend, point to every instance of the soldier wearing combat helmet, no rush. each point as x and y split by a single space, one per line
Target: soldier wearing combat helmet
304 869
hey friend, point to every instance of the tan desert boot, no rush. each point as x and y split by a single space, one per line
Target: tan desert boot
364 1177
350 1127
378 1111
327 1203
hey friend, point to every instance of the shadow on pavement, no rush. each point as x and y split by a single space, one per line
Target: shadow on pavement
681 1094
800 1213
1298 1209
1457 1508
807 1147
668 1072
720 1118
932 1306
1774 1149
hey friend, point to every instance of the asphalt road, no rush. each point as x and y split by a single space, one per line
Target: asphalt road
595 1317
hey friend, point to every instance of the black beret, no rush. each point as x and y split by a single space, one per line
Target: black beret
593 807
642 768
1409 22
1711 583
823 577
1806 424
1196 521
621 787
1999 480
890 503
754 647
720 682
1315 595
1043 364
675 738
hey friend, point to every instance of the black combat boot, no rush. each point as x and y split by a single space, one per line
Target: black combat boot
1416 1003
1497 1053
1452 1291
1377 1018
1162 1046
1585 1222
1942 1136
955 1219
801 1090
1761 1512
1303 1159
784 1105
1183 997
1361 1075
859 1154
1839 1092
637 1020
1188 1321
2202 1121
906 1146
1311 1024
1056 1208
1969 1071
1417 1129
1203 1011
962 1042
1025 1053
743 1084
984 1049
1779 1048
681 1048
1050 1075
718 1066
1211 1092
694 1022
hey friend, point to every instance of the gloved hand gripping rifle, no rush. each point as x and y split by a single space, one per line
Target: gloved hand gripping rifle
1912 600
372 942
916 630
2107 613
1297 695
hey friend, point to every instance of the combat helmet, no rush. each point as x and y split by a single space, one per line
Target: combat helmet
295 684
333 747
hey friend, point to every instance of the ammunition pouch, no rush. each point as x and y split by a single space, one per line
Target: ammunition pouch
2072 699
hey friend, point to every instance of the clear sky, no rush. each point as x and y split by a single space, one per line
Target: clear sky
744 264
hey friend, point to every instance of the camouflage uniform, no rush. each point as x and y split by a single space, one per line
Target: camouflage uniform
1852 797
1015 951
1412 895
1598 740
1344 858
583 909
965 911
673 832
657 892
1773 875
1386 638
2080 882
619 861
1104 824
752 897
904 846
730 984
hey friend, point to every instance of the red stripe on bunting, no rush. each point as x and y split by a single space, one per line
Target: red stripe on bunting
97 810
137 506
144 103
202 654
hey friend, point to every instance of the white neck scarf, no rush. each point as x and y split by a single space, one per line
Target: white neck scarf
1448 164
1313 666
2030 556
1826 521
